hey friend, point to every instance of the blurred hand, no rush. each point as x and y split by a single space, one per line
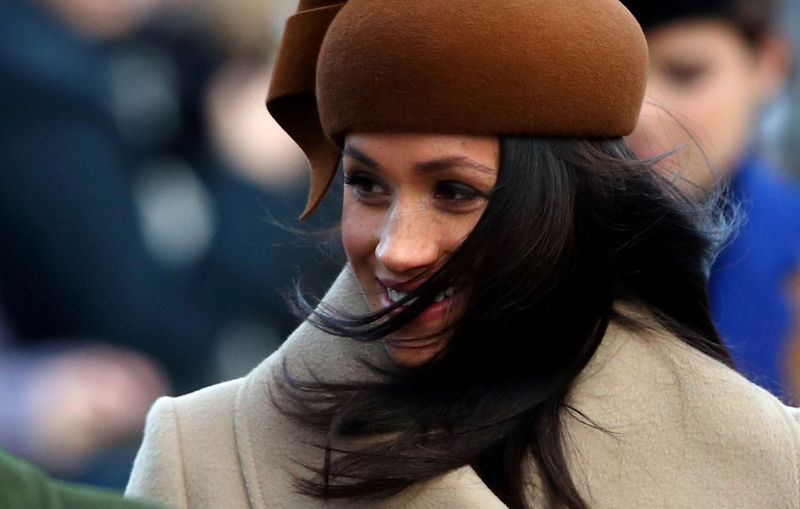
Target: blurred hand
85 400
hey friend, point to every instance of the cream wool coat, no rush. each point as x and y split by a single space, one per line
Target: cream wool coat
686 432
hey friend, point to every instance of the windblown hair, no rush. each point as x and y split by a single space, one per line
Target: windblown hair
573 227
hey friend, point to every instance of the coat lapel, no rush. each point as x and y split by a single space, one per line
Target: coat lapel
272 448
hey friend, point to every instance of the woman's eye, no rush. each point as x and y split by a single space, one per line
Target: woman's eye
457 192
365 186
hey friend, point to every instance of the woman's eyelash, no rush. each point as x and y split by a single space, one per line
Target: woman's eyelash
364 183
458 191
449 190
351 180
358 180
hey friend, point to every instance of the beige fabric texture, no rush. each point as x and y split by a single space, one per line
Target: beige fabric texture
682 431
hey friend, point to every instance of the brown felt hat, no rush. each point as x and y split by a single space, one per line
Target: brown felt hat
525 67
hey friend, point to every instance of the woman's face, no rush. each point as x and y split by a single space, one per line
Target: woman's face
409 201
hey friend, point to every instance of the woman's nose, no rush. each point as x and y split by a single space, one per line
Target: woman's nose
409 242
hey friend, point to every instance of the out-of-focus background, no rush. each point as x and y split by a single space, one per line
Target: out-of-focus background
143 189
143 193
781 123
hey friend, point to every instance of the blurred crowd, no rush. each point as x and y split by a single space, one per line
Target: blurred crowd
144 194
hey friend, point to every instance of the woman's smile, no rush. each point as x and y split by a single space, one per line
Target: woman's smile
437 310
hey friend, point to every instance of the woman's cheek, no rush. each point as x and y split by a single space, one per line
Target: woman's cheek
360 232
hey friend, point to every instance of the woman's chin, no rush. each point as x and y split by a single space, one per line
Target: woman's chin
413 353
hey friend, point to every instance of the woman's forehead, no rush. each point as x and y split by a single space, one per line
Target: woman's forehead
423 149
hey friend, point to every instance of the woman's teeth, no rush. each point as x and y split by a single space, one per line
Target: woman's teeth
445 294
396 296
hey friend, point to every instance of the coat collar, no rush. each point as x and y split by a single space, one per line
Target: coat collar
270 446
615 391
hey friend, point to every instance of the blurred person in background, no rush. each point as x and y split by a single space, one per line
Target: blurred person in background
128 230
714 64
71 265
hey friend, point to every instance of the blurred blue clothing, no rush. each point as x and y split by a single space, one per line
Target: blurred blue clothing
14 374
749 286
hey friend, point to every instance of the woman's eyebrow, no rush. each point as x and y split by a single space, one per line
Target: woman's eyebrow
361 157
443 163
451 162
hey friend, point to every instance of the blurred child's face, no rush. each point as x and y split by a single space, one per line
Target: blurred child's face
704 77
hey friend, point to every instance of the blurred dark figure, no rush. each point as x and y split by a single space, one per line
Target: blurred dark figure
125 218
70 252
73 260
714 64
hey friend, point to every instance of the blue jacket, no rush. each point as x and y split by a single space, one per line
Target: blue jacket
749 286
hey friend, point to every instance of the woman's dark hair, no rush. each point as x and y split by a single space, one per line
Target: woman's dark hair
573 227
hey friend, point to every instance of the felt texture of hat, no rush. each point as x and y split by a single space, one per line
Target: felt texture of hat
525 67
652 13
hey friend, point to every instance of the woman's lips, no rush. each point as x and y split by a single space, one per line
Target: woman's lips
437 310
